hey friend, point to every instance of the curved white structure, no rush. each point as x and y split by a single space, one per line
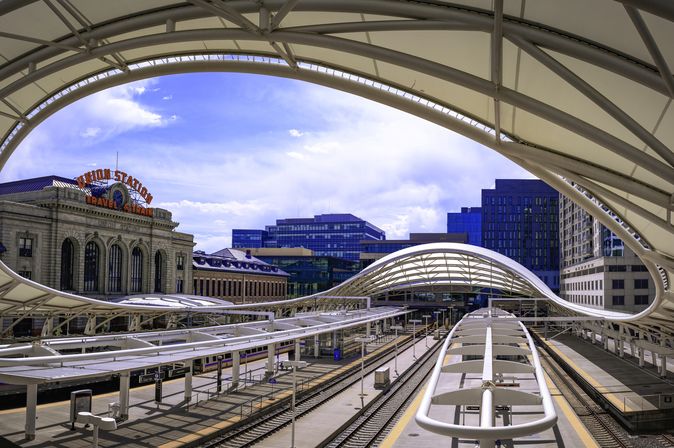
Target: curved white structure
456 264
575 92
488 333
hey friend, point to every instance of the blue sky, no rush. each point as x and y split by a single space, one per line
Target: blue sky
225 151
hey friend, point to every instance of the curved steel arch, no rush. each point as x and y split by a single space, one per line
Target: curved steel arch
456 264
568 102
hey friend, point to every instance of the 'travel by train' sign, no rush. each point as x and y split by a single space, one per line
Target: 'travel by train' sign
115 196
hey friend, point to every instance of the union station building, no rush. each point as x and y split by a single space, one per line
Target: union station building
96 236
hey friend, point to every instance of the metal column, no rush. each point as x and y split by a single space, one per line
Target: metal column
188 384
271 353
236 368
124 384
297 349
317 346
31 410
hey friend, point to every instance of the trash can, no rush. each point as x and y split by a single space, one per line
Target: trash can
337 354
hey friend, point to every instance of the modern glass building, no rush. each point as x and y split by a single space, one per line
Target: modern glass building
308 272
469 221
520 221
249 238
331 235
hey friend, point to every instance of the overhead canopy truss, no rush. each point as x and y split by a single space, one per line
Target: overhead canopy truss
43 363
578 94
472 268
21 298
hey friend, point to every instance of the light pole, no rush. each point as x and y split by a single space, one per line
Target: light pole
437 323
396 328
414 337
363 341
295 365
426 316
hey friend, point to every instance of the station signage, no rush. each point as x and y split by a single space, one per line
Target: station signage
118 197
107 174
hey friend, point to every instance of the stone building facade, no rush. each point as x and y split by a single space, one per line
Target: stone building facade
95 241
237 276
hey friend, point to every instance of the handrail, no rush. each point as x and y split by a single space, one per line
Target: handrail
486 432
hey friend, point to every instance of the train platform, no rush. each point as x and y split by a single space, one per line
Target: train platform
315 427
171 424
569 431
638 396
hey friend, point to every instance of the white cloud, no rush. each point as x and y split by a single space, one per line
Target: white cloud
397 171
296 155
167 97
90 132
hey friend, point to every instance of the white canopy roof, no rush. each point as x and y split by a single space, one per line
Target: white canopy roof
580 90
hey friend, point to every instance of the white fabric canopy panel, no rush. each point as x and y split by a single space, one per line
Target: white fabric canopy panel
575 92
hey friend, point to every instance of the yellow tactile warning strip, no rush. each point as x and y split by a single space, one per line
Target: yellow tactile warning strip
614 399
397 430
226 423
578 426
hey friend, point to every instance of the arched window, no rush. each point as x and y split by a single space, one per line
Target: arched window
115 269
67 265
136 270
91 265
158 266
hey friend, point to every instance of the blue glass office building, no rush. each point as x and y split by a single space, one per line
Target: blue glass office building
468 221
333 235
520 221
249 238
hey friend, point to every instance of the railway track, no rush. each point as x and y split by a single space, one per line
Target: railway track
606 431
256 428
373 424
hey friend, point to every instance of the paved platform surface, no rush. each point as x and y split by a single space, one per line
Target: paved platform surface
621 381
314 427
170 424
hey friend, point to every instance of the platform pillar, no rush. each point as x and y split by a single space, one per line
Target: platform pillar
297 349
317 346
641 356
124 384
236 368
31 410
663 366
271 353
334 340
188 383
604 338
368 329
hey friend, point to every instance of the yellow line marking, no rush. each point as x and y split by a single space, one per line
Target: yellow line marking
617 402
582 431
225 423
398 429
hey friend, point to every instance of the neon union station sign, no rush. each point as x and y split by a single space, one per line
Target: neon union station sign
115 194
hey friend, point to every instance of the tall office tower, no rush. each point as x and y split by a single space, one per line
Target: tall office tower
520 221
468 221
597 269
